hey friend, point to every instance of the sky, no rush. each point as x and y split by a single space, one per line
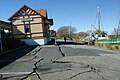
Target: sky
77 13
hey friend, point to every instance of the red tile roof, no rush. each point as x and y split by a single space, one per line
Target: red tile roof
43 12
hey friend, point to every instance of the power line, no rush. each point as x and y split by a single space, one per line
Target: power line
95 20
118 18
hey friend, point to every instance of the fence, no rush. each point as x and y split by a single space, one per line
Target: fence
109 41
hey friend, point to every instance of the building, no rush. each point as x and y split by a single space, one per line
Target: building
31 26
4 25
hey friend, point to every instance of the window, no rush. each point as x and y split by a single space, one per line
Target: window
27 28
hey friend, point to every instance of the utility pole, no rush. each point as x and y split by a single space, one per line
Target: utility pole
98 21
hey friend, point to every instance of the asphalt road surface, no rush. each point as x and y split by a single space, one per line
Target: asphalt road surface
60 62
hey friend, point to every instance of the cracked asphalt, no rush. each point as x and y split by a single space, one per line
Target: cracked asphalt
63 62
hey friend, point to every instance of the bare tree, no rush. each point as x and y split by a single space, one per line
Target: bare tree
117 30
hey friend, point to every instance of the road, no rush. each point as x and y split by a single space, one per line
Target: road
60 62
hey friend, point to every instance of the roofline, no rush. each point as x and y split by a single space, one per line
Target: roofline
20 9
45 11
5 22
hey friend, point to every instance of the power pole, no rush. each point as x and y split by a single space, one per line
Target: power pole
98 21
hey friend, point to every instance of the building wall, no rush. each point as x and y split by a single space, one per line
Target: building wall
38 41
31 26
18 29
36 20
20 36
36 27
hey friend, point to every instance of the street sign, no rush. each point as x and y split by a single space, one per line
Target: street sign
26 19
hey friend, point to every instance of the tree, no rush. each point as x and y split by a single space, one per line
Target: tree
82 34
66 31
89 32
117 30
103 33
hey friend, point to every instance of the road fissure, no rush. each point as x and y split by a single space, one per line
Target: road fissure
34 70
62 53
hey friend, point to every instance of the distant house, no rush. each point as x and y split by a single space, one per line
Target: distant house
31 26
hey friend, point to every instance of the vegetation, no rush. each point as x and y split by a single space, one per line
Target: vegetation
66 31
10 42
82 34
116 31
70 32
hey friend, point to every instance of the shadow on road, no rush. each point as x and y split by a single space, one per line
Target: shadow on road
10 57
69 43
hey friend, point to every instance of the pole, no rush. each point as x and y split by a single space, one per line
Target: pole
98 21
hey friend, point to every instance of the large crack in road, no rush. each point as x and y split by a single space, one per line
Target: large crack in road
62 53
36 67
92 68
48 63
34 71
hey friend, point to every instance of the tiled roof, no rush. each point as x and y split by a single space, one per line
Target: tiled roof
43 12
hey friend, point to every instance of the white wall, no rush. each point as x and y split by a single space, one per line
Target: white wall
38 41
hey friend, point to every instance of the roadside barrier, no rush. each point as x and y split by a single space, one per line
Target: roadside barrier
113 40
